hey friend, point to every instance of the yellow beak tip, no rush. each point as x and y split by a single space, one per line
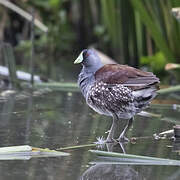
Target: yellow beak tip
79 59
76 61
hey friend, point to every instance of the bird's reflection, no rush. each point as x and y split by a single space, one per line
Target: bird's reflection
111 146
110 172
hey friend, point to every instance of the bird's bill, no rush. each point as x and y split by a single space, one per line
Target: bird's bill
79 59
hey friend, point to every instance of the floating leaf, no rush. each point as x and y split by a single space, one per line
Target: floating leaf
120 158
58 86
26 152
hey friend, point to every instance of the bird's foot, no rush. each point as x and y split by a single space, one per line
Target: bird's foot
101 140
123 139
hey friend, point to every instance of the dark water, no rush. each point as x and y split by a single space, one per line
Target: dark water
61 119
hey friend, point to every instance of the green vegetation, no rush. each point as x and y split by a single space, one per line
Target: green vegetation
128 31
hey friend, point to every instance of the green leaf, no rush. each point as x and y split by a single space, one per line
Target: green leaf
169 90
26 152
121 158
152 27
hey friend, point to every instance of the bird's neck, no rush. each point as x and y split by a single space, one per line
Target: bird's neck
92 68
86 79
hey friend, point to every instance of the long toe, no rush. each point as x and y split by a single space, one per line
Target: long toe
123 139
111 140
101 141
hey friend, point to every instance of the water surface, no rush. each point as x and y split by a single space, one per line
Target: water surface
62 119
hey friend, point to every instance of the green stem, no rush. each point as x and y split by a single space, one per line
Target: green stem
169 90
76 147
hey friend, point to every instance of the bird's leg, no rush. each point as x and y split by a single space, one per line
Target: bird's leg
110 137
122 137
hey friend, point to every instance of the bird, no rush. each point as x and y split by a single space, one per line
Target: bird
115 90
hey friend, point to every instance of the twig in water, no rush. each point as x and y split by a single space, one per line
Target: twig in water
76 147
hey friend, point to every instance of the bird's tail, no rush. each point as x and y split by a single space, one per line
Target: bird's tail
143 97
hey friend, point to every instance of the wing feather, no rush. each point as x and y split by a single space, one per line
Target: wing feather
126 75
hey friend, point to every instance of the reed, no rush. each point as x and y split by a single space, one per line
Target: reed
10 62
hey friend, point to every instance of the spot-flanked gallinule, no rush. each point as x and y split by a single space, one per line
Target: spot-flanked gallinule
115 90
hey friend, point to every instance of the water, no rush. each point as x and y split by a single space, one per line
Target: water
62 119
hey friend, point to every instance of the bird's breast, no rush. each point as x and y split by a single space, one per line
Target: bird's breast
85 81
108 99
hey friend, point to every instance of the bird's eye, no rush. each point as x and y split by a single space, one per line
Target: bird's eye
85 54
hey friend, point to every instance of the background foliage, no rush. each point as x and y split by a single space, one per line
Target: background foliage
134 32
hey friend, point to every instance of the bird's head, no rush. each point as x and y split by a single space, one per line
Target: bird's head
89 59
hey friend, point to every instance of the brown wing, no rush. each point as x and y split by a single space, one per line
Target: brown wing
126 75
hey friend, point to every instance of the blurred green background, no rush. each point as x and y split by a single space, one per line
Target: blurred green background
140 33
